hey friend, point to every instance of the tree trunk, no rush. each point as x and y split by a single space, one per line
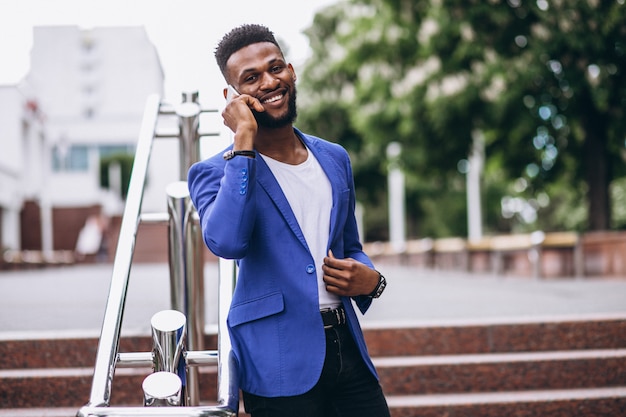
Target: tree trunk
596 163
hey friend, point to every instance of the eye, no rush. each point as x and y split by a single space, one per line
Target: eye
277 68
250 78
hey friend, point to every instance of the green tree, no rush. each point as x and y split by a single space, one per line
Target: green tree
542 82
125 161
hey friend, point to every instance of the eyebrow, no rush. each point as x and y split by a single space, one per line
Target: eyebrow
252 70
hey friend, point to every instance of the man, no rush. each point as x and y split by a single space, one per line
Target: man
281 203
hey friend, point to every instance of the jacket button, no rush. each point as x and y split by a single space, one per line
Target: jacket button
310 269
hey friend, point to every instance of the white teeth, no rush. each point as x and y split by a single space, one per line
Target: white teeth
273 99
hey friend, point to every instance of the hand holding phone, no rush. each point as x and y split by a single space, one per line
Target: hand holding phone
240 113
231 93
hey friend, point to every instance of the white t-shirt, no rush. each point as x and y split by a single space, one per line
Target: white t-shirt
309 194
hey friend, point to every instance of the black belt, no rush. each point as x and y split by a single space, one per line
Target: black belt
333 317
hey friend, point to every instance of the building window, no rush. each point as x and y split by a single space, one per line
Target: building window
108 150
71 159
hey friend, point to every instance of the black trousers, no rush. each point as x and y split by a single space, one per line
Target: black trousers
346 387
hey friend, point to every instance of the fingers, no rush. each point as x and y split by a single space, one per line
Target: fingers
336 275
335 286
331 261
253 103
249 101
346 277
330 272
237 115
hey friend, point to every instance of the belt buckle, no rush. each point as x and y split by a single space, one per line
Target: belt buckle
340 316
330 310
323 311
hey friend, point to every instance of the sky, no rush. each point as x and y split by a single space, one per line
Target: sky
184 32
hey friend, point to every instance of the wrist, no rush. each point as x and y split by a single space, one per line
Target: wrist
244 137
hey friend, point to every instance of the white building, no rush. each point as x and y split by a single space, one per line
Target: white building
11 165
82 100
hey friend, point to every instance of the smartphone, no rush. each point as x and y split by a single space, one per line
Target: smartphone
231 93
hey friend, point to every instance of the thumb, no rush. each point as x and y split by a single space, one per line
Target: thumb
330 254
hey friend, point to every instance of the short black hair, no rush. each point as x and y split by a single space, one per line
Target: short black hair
241 37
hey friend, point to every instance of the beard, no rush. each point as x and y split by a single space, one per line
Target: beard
265 120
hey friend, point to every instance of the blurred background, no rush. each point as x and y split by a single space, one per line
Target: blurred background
487 141
465 120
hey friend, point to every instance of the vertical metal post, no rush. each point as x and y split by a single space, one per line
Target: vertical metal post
186 272
161 389
188 122
168 339
228 387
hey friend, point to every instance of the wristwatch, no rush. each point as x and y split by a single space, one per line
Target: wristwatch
382 283
230 154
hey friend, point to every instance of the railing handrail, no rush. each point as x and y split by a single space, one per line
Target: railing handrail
108 344
108 356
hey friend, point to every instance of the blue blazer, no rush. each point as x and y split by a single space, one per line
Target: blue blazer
274 321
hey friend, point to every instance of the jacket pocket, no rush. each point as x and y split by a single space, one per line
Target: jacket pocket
256 309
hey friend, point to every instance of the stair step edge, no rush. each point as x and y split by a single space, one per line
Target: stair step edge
81 372
431 400
491 321
38 412
379 362
482 358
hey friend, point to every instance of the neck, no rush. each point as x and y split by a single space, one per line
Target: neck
281 144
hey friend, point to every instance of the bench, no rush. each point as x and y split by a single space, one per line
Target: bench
538 254
419 252
561 254
450 253
28 259
605 253
535 254
516 254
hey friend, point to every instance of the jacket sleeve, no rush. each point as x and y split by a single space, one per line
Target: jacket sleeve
223 194
352 242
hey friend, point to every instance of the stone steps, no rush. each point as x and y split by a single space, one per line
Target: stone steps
502 372
493 336
70 387
574 367
591 402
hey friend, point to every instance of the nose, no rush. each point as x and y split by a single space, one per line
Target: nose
270 82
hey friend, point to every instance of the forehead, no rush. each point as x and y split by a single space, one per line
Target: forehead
251 57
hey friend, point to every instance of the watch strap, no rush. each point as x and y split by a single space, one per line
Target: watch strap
230 154
382 284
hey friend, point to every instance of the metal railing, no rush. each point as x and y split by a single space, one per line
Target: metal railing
177 334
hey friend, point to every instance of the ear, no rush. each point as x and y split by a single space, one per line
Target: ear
293 72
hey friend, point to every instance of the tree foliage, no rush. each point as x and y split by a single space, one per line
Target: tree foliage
542 82
125 162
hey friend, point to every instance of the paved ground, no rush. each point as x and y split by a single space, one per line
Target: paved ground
68 299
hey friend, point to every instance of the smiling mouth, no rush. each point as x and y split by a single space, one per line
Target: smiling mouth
273 99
